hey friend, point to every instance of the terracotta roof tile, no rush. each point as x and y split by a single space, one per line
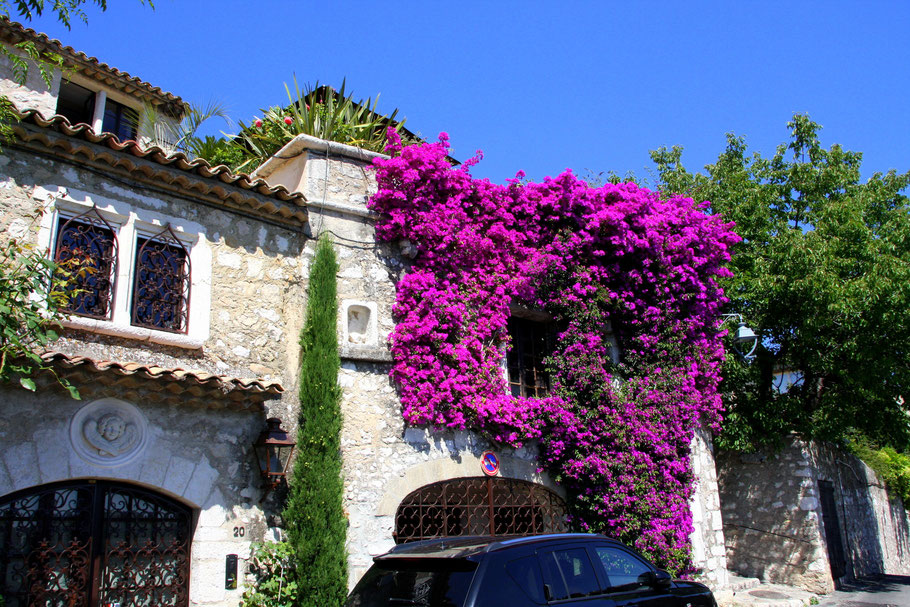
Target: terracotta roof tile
91 66
288 206
133 381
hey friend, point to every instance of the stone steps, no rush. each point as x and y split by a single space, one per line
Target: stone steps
750 592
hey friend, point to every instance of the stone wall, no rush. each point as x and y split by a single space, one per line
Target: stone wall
773 516
34 93
875 528
708 548
383 460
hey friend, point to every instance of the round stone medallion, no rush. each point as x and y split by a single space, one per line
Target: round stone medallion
108 432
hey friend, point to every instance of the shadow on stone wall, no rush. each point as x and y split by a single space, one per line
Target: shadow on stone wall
774 517
768 502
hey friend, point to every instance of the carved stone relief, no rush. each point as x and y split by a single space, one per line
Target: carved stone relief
108 432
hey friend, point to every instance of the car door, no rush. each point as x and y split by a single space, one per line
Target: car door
570 577
627 579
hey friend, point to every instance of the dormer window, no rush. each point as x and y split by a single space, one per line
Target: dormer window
120 120
76 103
81 105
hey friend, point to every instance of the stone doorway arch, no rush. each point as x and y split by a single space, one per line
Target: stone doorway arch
90 543
479 506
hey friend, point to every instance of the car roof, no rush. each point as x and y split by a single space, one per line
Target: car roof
464 546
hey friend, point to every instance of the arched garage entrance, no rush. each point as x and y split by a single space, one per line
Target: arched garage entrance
479 506
93 543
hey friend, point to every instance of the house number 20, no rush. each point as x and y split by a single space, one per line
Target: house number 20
239 531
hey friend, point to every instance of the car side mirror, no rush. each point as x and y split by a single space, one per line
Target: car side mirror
661 579
655 579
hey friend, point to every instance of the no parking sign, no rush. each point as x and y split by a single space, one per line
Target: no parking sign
489 463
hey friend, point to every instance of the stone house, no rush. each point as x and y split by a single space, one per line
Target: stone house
182 344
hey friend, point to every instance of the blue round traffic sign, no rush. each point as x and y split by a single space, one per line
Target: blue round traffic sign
490 463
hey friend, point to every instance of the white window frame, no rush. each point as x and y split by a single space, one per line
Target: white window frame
130 222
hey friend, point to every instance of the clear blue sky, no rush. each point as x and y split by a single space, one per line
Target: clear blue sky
542 86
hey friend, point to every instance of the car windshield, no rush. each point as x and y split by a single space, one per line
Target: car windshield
424 583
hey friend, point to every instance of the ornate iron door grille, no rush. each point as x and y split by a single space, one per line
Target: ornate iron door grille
479 506
93 544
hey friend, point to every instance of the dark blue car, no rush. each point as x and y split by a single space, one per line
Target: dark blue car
561 569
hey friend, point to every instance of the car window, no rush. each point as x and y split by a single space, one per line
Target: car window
521 586
623 569
568 573
422 583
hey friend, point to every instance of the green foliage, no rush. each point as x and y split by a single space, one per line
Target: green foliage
183 136
823 274
319 111
29 313
891 466
314 514
65 10
271 565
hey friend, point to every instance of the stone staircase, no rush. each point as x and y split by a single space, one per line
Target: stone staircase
749 592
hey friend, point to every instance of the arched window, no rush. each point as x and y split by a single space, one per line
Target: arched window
479 506
93 543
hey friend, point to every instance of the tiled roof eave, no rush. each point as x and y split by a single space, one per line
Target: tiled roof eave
132 381
154 165
90 66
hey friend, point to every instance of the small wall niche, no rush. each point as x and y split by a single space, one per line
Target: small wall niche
359 323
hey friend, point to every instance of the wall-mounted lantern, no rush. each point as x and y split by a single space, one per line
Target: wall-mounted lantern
273 451
744 339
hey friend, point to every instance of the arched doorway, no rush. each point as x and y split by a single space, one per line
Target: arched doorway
93 543
479 506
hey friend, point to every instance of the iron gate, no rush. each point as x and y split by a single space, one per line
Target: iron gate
479 506
93 544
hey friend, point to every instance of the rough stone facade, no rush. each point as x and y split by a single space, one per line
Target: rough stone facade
383 460
246 306
773 515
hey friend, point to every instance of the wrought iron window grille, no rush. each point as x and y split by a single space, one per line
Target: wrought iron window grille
532 342
161 283
86 253
479 506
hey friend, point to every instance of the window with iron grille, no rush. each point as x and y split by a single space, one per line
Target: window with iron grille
86 253
479 506
532 343
161 283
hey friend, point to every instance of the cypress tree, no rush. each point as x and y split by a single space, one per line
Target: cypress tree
314 516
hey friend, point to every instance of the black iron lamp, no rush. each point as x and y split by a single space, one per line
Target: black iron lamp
744 339
273 451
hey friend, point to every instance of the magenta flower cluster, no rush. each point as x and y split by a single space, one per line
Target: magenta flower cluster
611 263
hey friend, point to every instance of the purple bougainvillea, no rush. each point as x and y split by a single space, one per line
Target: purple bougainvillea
611 262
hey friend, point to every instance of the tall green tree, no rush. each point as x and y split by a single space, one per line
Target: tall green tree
823 274
314 515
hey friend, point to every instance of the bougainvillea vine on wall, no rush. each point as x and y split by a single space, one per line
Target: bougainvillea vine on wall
612 262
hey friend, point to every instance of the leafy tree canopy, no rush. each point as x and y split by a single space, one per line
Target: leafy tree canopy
823 274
